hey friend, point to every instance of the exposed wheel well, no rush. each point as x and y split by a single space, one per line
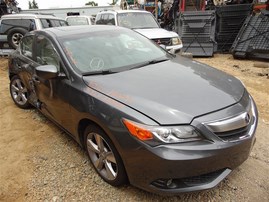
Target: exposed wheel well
11 75
81 128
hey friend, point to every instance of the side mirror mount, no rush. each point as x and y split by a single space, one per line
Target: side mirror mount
47 71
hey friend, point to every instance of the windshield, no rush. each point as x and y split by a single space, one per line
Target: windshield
113 50
137 20
77 21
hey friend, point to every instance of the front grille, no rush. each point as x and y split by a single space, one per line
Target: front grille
188 181
202 179
237 127
234 134
163 41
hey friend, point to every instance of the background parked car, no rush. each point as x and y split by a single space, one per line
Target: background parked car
80 20
142 22
15 26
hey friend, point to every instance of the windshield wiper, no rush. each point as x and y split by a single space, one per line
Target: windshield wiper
98 72
149 63
158 61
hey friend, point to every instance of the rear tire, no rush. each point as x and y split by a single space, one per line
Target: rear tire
14 36
104 156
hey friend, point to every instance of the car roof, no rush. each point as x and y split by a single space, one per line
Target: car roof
124 11
76 30
77 16
28 15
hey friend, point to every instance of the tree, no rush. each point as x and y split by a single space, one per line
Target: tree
91 3
113 2
30 4
33 4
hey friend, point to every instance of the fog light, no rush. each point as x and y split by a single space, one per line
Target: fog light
170 184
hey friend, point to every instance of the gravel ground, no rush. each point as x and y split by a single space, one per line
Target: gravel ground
39 162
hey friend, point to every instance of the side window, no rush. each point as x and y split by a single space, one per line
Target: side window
98 19
105 19
26 46
58 23
46 23
6 24
46 53
32 25
102 19
63 23
111 19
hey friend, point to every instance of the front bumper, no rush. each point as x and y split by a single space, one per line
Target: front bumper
174 48
194 166
181 164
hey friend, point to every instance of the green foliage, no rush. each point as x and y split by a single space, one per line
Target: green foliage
30 4
113 2
91 3
33 4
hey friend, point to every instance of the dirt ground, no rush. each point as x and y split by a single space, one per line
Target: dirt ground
38 162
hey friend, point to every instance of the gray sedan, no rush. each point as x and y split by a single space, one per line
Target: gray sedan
165 124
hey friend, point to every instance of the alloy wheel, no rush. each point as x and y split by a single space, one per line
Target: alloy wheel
102 156
19 92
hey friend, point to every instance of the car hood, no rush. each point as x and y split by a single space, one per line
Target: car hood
171 92
156 33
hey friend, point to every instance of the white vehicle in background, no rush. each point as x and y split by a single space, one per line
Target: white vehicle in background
142 22
15 26
80 20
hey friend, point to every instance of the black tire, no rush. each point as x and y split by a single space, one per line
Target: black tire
14 36
104 156
19 93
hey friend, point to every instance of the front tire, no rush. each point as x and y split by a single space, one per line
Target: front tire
19 92
104 156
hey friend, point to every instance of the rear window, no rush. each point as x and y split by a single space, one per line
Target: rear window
59 23
46 23
77 21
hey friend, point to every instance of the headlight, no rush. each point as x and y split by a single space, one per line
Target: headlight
176 41
159 134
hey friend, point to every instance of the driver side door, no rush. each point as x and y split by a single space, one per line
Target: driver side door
52 93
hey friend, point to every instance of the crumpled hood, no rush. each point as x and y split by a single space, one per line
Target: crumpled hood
171 92
156 33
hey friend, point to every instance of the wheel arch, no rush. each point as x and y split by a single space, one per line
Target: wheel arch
82 125
11 75
16 29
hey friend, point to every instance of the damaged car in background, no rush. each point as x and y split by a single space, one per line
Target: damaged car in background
163 123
